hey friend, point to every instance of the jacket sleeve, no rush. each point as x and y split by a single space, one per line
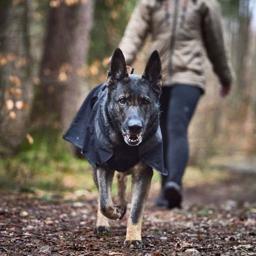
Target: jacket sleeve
136 30
213 38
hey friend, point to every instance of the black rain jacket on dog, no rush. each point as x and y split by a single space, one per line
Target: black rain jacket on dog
96 147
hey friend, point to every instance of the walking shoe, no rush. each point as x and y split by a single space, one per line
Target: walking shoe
172 193
161 201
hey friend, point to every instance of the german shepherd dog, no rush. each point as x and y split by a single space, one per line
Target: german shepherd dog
124 136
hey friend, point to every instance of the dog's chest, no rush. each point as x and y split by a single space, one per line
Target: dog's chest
124 158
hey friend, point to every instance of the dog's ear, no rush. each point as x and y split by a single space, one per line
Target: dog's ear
153 70
118 69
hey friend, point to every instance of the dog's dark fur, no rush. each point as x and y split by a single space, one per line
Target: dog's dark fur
129 115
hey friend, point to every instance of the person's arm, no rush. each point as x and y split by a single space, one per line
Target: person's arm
136 31
214 43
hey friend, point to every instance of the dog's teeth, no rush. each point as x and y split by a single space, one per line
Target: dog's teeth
133 141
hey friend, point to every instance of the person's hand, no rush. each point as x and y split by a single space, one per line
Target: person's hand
225 90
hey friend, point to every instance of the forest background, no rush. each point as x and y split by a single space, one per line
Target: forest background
53 52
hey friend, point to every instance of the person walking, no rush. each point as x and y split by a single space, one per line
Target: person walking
182 31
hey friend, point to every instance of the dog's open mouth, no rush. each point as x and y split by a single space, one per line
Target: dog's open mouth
132 139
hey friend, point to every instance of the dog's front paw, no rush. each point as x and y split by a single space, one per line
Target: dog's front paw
102 231
133 244
121 210
114 213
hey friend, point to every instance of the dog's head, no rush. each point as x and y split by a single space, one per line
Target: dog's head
133 101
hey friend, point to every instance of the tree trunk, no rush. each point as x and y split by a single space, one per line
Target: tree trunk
16 89
243 45
63 60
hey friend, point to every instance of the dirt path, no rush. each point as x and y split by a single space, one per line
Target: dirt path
221 223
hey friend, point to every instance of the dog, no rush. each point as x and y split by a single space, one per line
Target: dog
117 129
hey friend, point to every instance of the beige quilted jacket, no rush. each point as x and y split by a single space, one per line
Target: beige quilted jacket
181 30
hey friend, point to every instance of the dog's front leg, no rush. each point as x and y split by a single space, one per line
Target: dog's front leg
141 179
102 222
104 179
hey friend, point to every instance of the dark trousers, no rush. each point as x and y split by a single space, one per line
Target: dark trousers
178 104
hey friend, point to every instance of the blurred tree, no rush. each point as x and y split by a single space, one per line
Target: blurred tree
230 7
238 14
63 61
111 17
16 91
236 115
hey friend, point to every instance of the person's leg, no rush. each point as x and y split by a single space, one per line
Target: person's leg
164 103
183 100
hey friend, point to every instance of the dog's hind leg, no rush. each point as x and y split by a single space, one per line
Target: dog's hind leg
141 179
121 190
104 179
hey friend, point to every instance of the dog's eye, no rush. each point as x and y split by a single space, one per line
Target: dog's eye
122 100
145 100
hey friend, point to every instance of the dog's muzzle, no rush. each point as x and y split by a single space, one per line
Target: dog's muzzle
133 136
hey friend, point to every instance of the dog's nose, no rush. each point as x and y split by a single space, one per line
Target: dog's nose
135 126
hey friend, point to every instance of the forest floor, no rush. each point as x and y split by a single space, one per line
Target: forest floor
218 218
